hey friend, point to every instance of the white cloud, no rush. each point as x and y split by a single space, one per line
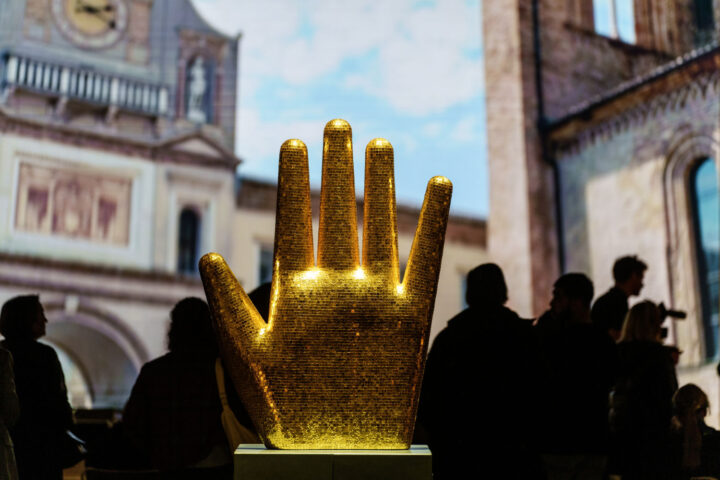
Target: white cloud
432 129
269 135
422 67
466 129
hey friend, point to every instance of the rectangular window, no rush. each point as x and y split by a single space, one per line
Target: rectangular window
615 19
265 268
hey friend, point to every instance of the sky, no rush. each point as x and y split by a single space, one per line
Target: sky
409 71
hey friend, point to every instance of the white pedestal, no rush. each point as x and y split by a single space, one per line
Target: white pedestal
255 462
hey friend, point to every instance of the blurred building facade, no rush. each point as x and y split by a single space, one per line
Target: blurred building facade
117 171
601 146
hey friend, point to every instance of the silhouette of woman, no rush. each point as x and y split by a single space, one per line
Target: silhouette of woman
45 413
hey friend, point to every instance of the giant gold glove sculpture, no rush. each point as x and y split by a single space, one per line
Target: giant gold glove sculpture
340 362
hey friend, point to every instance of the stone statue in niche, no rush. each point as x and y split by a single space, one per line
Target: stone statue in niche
197 88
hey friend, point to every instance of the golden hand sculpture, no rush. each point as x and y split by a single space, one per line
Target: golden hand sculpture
340 362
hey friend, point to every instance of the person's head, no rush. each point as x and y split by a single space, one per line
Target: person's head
572 294
690 400
22 318
486 286
642 323
628 273
191 328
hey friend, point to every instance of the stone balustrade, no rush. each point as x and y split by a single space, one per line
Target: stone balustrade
83 84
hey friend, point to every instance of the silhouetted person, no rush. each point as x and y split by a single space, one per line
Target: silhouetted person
610 309
9 413
261 299
696 445
479 385
173 413
642 399
45 413
581 361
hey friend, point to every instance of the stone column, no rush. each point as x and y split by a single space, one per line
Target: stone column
521 225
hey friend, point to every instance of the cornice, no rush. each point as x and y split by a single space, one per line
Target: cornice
696 83
160 150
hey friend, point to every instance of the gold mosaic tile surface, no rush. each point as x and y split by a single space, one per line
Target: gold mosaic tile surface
339 363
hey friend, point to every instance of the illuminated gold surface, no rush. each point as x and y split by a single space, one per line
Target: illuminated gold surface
339 364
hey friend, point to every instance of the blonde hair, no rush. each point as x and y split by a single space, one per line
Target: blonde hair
691 405
690 399
642 323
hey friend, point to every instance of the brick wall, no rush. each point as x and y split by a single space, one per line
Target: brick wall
578 64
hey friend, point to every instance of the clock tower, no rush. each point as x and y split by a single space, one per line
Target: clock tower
117 170
91 24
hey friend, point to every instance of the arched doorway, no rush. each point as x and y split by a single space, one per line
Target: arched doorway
101 358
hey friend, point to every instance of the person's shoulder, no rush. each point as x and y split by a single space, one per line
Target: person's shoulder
514 321
44 350
611 297
546 321
455 328
159 362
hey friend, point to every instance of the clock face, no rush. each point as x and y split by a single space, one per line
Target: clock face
91 23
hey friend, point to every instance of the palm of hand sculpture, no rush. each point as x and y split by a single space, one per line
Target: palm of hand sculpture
340 361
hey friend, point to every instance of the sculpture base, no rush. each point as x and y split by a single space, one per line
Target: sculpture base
255 462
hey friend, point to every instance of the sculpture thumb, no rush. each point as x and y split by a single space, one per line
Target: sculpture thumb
237 322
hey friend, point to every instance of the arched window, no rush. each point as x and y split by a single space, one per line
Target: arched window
188 241
704 188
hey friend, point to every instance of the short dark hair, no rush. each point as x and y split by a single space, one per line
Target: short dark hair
17 317
191 327
486 286
576 286
625 266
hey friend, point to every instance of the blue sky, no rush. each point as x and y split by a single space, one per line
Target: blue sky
406 70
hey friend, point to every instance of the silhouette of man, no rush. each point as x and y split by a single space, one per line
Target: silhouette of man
581 365
610 309
479 381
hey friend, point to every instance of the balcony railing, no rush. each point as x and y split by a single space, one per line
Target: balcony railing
84 84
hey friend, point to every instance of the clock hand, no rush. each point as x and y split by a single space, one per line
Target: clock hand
81 6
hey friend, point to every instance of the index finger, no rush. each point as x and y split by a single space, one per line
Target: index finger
423 268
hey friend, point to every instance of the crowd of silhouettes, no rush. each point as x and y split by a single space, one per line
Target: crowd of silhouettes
585 391
582 392
171 424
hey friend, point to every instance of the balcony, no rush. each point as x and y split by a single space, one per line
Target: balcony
82 84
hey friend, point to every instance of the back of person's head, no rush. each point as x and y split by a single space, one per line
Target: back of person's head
642 323
486 286
576 286
625 267
191 328
690 406
17 317
690 399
